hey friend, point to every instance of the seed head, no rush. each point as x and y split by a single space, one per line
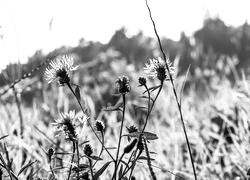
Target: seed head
87 150
66 125
123 85
158 68
142 81
99 125
60 68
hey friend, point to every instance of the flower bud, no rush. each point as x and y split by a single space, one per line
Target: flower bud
129 147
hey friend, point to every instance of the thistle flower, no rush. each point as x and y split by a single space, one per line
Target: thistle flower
123 85
157 68
99 125
60 68
87 150
66 126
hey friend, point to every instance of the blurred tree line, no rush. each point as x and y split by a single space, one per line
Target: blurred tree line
211 48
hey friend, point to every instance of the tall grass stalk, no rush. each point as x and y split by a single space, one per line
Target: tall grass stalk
174 90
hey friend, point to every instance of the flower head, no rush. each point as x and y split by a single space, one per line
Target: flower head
142 81
50 153
60 68
66 125
123 84
99 125
157 68
87 150
132 129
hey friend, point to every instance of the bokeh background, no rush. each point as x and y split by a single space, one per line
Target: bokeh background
208 42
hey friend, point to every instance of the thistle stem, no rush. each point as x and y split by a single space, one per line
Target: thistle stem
174 90
120 136
72 159
78 158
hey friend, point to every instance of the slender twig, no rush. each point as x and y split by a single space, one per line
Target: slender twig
120 136
91 127
174 90
72 159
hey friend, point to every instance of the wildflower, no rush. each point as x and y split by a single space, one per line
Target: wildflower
132 129
142 81
123 84
60 68
99 125
157 68
65 125
87 150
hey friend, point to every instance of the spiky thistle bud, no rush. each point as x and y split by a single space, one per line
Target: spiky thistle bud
142 81
50 153
129 147
132 129
99 125
87 150
123 85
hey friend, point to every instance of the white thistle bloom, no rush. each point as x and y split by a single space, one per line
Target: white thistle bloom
60 68
157 68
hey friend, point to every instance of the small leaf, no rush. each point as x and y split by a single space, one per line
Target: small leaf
96 158
145 158
116 107
3 137
77 93
120 172
100 171
25 167
147 135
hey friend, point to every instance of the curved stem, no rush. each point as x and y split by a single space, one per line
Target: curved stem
174 90
72 159
91 127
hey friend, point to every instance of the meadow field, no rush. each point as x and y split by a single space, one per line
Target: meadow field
126 110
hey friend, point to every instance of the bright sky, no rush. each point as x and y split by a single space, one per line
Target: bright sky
28 25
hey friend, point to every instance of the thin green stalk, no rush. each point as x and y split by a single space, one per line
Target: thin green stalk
174 90
84 111
53 174
72 159
78 158
120 136
101 149
91 168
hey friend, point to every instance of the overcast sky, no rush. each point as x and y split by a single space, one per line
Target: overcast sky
28 25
